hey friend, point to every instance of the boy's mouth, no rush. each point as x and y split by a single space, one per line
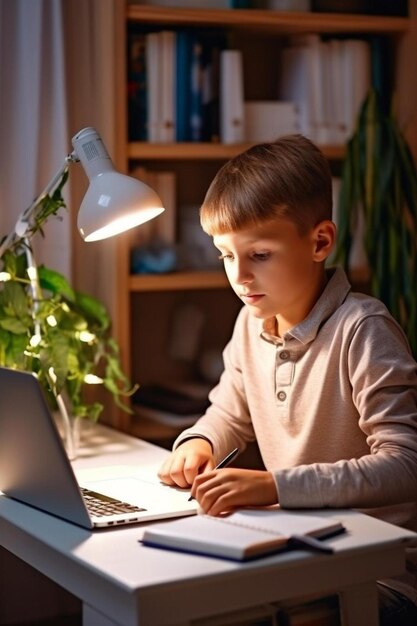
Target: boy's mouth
251 298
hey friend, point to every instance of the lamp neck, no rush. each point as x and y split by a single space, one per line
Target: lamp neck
25 219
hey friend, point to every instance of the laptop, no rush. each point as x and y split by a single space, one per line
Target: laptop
35 469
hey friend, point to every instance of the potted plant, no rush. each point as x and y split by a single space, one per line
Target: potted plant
379 188
54 331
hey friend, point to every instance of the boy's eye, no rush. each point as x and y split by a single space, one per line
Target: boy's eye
223 257
261 256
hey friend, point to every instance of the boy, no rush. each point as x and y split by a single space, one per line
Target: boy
321 377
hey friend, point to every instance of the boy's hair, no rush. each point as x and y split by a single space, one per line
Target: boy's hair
289 178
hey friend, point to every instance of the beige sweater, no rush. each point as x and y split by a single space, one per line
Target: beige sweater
332 405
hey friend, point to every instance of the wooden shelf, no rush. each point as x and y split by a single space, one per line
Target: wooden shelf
273 21
203 151
195 164
178 281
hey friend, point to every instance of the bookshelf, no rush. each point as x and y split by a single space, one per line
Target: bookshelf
145 303
141 150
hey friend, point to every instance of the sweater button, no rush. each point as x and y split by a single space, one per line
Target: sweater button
282 396
284 355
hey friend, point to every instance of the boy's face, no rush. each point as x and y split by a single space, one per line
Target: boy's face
276 271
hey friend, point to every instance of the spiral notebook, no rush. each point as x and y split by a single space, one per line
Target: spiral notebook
245 534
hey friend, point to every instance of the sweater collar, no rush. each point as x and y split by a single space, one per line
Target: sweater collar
333 295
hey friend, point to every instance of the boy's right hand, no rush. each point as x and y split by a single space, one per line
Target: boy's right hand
194 456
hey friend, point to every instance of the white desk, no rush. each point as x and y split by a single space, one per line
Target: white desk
121 582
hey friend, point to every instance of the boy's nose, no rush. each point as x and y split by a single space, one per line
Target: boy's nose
240 273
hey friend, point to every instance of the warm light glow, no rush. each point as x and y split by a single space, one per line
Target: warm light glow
86 336
113 202
124 223
35 340
5 276
92 379
51 319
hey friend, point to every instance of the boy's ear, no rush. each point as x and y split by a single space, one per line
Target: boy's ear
324 236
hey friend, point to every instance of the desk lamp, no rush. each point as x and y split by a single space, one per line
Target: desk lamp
112 204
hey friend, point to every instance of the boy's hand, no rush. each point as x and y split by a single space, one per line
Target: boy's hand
223 490
191 458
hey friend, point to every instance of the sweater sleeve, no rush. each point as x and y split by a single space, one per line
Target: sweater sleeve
383 378
227 423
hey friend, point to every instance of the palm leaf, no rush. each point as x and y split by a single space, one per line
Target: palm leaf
379 178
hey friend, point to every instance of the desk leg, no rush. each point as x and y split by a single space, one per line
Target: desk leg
91 617
359 605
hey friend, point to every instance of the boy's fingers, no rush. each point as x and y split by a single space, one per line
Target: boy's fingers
177 471
164 473
195 465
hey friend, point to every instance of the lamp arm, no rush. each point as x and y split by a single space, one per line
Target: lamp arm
23 222
34 286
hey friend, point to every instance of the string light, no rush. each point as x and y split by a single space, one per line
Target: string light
35 340
32 272
92 379
86 336
51 319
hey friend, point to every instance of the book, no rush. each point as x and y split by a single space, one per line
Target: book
182 85
137 87
212 44
153 62
327 81
245 534
266 120
295 85
231 97
167 47
196 93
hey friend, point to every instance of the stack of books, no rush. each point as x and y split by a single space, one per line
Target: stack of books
328 81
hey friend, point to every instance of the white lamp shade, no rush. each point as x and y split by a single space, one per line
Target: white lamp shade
115 203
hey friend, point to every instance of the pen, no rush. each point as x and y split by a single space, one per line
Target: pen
228 459
224 462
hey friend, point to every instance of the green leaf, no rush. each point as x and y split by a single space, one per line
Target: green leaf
93 309
379 177
13 325
4 342
17 300
15 356
55 356
56 283
70 320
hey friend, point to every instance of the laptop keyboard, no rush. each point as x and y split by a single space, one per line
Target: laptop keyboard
99 504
